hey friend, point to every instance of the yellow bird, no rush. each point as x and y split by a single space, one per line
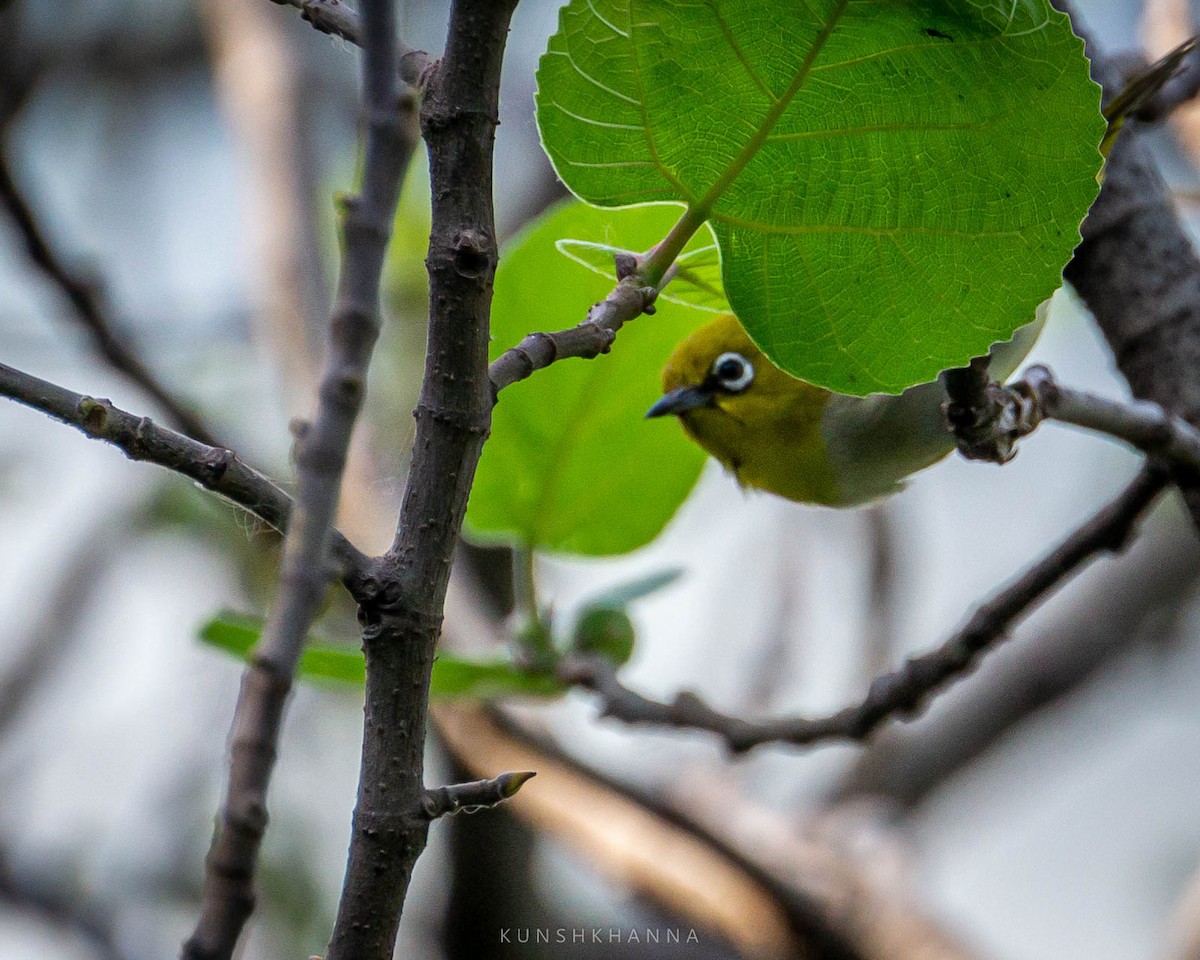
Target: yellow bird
777 433
805 443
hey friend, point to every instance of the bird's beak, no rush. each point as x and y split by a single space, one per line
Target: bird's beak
681 400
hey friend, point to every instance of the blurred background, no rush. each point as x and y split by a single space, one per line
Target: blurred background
184 155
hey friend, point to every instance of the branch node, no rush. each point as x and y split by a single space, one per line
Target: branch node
299 428
93 412
627 264
986 418
472 254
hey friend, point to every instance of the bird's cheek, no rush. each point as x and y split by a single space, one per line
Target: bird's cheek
729 408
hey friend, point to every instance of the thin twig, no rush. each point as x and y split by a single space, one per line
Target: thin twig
476 795
215 468
1182 88
884 589
73 910
89 310
459 115
1001 415
1141 424
321 460
340 20
629 299
906 691
1120 610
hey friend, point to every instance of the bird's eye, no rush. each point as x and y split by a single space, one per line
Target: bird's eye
733 372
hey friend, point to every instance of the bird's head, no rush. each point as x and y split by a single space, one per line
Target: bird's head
717 370
730 398
708 369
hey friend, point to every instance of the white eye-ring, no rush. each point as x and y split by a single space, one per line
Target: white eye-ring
733 372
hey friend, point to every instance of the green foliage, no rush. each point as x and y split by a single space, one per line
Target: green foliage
604 627
237 634
626 592
571 464
894 185
605 632
697 279
405 279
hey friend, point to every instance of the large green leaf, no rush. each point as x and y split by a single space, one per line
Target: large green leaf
894 184
571 464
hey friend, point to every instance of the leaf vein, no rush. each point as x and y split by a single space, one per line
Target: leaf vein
740 54
590 79
608 23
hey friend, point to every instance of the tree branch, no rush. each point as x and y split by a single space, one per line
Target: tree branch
321 460
629 299
215 468
1143 425
340 20
1138 274
906 691
476 795
992 419
401 626
1119 612
87 307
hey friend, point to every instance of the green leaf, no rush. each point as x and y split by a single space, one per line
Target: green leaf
623 594
237 634
405 279
697 279
488 679
572 465
894 185
606 632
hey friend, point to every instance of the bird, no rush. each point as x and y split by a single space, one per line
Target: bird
800 441
807 444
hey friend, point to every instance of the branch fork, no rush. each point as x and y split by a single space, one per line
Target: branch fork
988 419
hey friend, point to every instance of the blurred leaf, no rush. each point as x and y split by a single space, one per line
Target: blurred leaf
605 631
405 278
237 634
623 594
572 465
698 279
894 186
453 677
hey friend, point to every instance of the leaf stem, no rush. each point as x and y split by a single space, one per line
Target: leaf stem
662 256
525 603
